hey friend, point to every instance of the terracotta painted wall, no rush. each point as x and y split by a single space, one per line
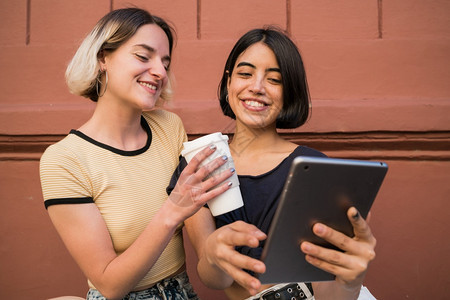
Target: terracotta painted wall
379 74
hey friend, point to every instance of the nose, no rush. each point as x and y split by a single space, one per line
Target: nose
158 69
257 86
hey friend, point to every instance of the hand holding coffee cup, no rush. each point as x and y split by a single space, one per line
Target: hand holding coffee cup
230 199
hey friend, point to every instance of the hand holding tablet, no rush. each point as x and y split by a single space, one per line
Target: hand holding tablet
317 190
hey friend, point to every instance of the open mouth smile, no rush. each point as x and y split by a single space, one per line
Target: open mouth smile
148 85
253 103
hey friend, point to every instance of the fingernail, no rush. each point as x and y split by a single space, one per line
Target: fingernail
254 285
320 228
224 157
212 147
259 233
356 216
306 246
232 170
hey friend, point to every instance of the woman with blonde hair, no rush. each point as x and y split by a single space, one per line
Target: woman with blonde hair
104 184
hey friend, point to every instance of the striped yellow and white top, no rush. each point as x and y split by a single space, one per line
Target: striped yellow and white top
128 187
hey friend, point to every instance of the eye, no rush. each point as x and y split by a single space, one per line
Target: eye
166 65
244 74
275 80
274 77
141 57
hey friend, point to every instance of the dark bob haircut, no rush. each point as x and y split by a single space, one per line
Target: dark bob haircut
296 99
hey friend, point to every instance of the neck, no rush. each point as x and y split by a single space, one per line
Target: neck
116 127
257 151
255 140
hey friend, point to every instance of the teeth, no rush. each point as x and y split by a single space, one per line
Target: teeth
153 87
254 103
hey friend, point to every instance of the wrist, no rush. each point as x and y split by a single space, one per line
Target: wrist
169 215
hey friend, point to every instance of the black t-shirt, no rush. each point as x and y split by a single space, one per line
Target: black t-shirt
261 195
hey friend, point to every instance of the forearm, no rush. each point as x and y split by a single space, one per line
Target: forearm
334 290
126 270
219 263
199 228
212 276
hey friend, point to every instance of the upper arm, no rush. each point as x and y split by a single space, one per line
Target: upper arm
85 235
80 225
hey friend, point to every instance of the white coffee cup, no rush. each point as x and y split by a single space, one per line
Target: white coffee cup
230 199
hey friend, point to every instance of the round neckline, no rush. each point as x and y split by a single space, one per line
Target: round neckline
144 125
274 169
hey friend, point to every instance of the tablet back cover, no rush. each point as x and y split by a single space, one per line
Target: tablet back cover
316 190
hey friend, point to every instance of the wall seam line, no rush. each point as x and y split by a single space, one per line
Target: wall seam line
288 16
380 19
28 23
199 11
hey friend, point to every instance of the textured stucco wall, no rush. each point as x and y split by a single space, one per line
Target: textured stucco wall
379 73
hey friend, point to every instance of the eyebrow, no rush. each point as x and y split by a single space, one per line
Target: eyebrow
152 50
247 64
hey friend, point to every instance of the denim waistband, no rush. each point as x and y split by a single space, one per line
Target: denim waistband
173 288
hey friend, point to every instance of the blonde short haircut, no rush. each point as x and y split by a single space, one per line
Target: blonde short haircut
113 30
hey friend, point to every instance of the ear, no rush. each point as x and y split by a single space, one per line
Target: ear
228 79
101 57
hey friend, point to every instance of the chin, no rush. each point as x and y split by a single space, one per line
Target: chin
258 122
147 106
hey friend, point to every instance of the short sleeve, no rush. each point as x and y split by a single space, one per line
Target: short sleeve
176 174
181 138
62 177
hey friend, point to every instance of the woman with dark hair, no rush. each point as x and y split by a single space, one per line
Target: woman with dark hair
104 184
263 88
296 101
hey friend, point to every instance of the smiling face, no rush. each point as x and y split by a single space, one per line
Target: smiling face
255 90
137 70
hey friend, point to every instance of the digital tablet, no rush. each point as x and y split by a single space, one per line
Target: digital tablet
316 190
